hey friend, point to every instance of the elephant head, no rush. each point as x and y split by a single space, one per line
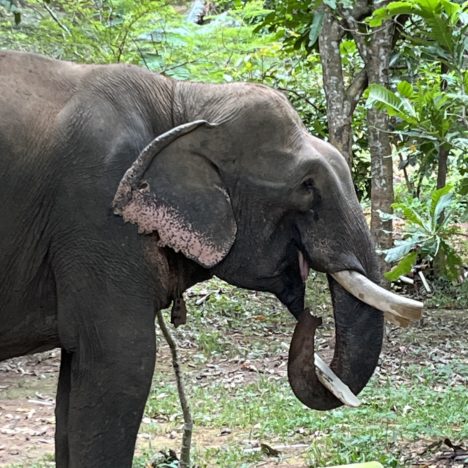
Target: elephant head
245 191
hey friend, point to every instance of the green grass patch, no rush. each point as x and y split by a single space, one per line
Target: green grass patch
390 418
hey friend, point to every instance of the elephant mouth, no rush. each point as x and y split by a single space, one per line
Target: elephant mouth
355 299
304 267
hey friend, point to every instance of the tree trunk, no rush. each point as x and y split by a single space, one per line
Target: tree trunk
377 59
382 178
375 51
339 113
341 101
442 166
375 47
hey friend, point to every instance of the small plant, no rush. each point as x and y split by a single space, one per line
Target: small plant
428 237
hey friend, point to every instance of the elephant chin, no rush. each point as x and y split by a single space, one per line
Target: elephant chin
359 332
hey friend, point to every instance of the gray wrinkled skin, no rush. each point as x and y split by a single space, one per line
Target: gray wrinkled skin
238 200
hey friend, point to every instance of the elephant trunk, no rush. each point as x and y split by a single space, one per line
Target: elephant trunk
359 332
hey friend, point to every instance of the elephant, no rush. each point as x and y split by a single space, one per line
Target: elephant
121 188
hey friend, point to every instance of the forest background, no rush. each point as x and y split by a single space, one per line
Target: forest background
385 82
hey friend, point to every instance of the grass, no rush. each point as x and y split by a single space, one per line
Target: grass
417 396
266 410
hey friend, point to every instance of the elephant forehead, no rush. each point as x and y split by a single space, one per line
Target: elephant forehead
293 157
271 168
265 111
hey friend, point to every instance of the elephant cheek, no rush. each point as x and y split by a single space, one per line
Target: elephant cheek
173 230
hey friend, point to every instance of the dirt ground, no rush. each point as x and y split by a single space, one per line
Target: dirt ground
27 389
27 399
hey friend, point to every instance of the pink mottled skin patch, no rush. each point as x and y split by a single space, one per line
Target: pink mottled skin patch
174 231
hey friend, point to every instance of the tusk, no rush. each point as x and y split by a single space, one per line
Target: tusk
334 384
397 309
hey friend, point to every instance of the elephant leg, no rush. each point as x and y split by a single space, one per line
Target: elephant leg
61 410
108 393
106 328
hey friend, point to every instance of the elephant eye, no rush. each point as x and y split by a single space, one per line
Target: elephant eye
308 185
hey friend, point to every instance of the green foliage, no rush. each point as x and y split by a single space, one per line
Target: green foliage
425 119
429 104
399 106
224 50
443 38
148 32
296 23
428 235
85 31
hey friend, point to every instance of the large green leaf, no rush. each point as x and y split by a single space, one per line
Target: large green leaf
439 201
400 250
441 32
379 94
391 10
405 89
403 267
452 9
383 98
316 27
394 105
451 260
410 214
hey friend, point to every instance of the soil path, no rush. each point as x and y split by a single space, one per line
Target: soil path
27 401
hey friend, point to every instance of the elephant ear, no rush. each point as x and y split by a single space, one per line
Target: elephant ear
173 189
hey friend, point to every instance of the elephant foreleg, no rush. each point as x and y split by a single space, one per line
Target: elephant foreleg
107 367
106 402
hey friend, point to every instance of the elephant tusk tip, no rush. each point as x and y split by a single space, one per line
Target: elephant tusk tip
397 309
334 384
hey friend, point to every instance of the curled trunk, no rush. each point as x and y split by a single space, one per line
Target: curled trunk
359 332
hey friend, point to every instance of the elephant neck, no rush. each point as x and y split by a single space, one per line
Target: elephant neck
199 101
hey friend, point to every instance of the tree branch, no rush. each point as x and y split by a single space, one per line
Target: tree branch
299 95
55 18
356 88
188 422
358 37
